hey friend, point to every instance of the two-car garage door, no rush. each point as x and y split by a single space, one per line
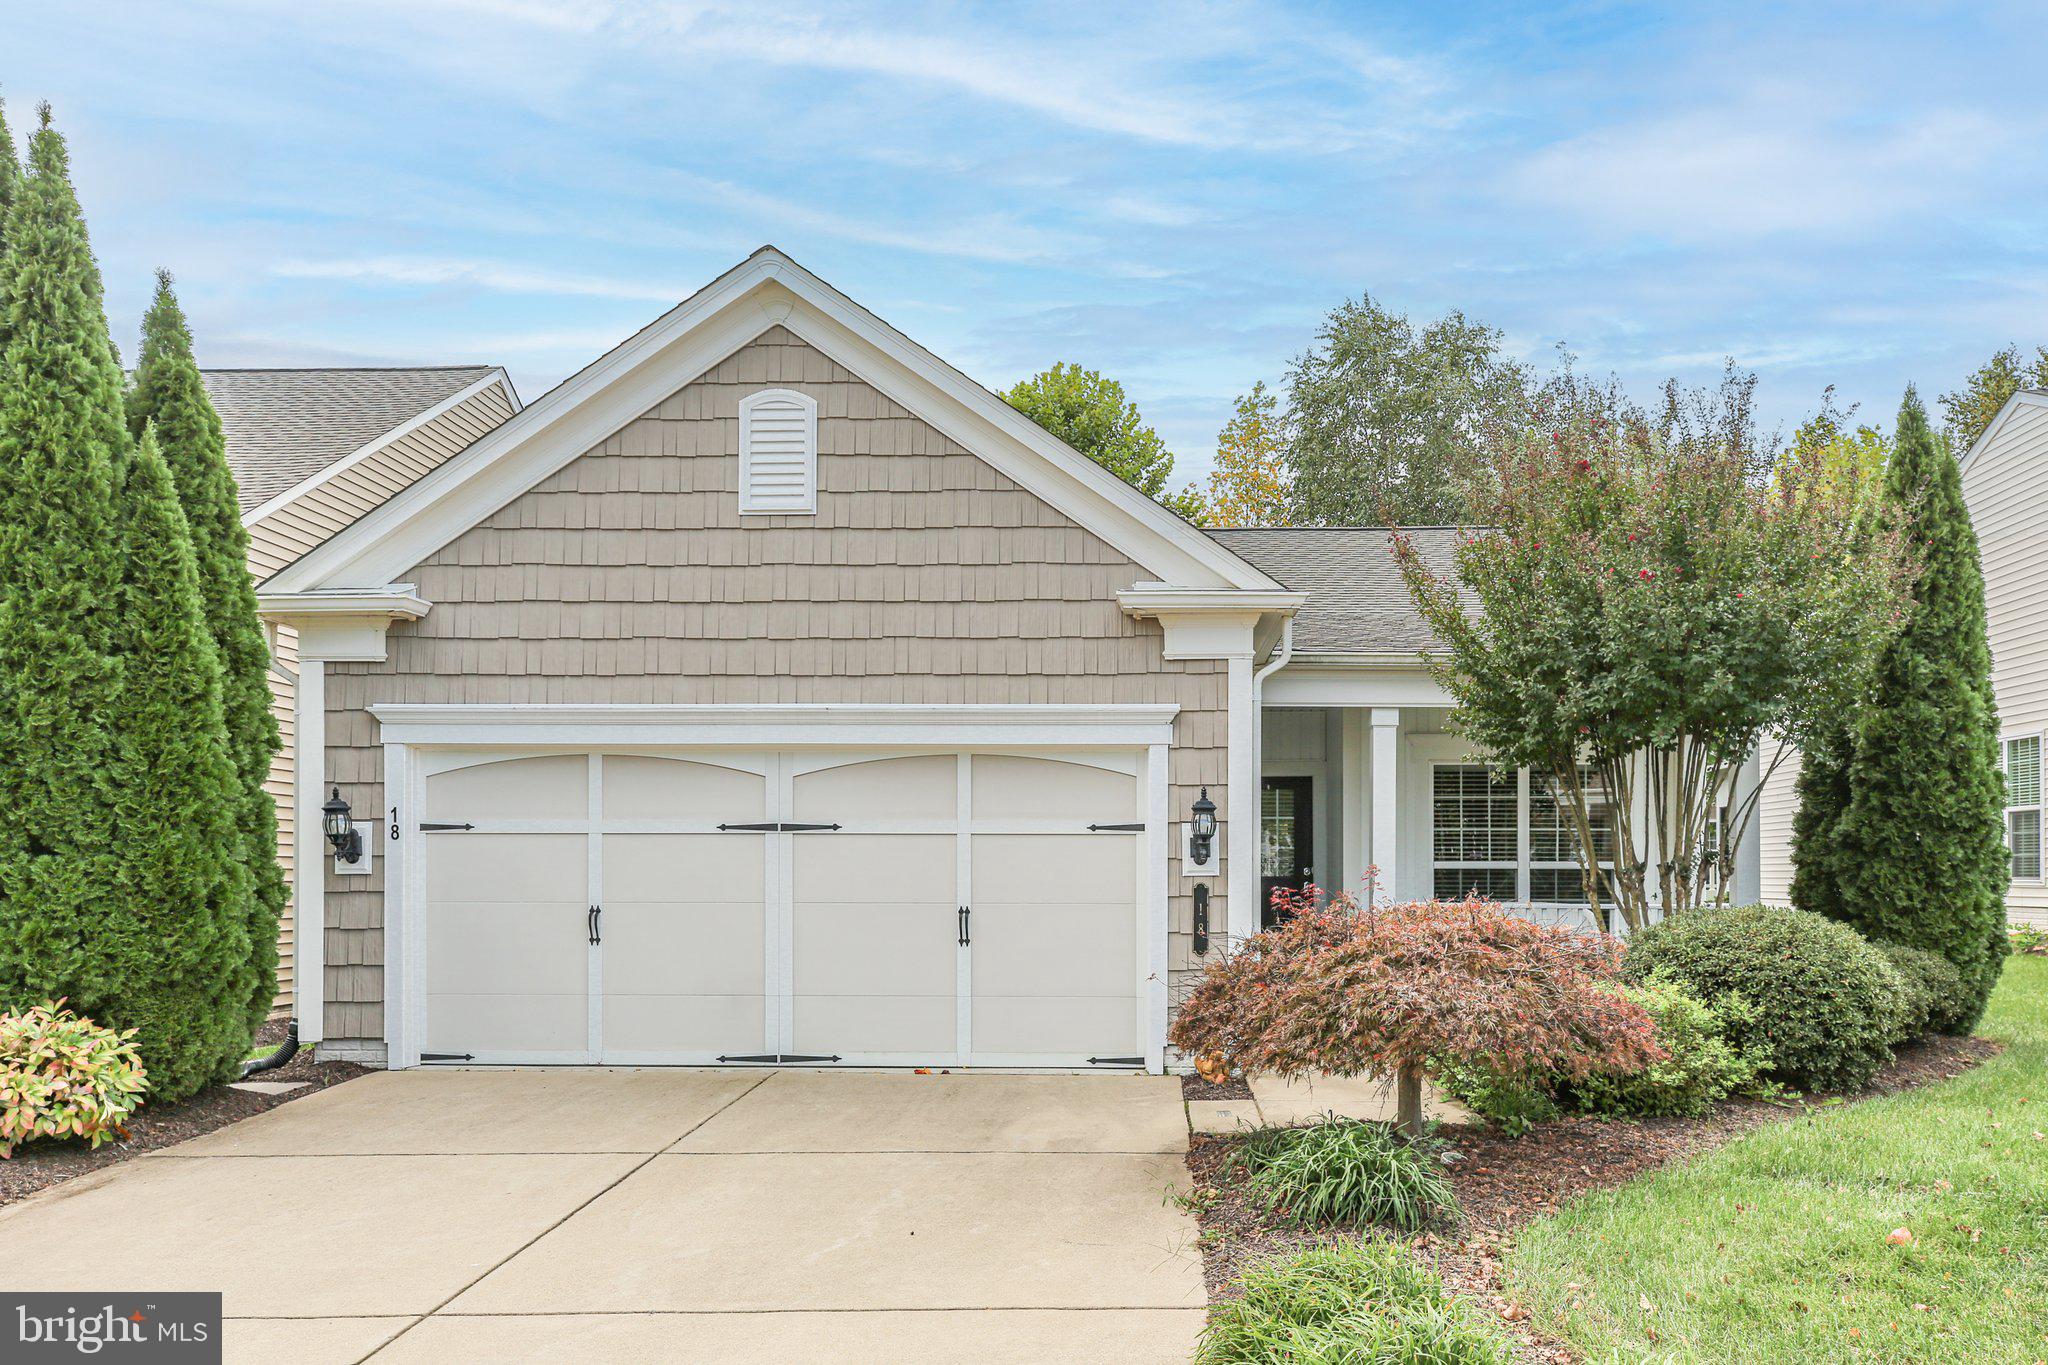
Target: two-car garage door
705 906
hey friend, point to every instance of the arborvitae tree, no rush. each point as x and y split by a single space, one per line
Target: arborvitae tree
174 940
169 394
62 456
1823 789
10 190
1922 852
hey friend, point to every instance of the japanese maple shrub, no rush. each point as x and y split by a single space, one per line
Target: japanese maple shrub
1349 990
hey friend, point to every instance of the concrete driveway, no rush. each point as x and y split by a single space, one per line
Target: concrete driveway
659 1214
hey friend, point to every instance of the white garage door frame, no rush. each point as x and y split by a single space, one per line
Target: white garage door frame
417 740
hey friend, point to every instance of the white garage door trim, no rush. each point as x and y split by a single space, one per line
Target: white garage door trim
420 740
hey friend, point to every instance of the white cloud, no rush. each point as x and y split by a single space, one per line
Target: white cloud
507 279
1758 167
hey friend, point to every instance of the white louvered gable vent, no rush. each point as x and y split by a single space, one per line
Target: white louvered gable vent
778 452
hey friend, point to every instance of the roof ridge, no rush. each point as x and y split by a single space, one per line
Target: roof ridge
338 369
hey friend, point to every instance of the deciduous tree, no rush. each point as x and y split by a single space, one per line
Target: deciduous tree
1248 486
1090 413
1967 411
1379 409
1654 595
1346 990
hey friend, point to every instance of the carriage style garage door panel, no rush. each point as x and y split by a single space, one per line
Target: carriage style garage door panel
698 906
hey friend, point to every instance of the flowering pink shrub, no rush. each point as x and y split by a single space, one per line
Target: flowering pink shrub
1352 991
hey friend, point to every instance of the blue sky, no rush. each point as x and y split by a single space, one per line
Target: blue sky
1176 195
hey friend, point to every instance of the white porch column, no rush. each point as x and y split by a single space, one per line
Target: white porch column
1386 738
311 854
1241 827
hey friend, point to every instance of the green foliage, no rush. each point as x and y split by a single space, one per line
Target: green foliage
172 947
63 1076
1701 1065
1248 486
1646 604
10 190
169 394
63 452
1773 1249
1348 1303
1935 1000
1922 857
1967 411
1091 414
1513 1104
1824 1001
1348 1173
123 880
1823 791
2024 939
1380 409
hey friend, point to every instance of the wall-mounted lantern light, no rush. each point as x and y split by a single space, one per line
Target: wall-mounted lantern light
341 829
1202 828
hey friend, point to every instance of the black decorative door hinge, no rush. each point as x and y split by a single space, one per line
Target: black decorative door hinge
1117 829
1116 1061
447 1056
774 1057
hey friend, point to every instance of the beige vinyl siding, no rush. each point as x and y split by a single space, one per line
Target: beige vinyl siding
924 577
2006 489
1775 807
336 502
319 512
284 664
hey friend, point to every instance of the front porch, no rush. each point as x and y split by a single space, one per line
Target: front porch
1364 789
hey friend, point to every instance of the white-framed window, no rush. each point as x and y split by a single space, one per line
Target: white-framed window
778 452
1475 833
1555 877
2020 755
1503 835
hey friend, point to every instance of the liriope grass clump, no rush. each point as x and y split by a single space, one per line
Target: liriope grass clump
1349 1303
1347 1173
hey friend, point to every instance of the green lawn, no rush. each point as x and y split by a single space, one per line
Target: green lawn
1773 1248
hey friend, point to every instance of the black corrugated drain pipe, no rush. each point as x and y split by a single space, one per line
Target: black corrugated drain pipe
256 1066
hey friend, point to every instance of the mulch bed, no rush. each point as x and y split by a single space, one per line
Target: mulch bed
1503 1183
1193 1087
45 1163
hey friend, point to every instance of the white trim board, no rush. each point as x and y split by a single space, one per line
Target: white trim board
795 724
766 289
2024 398
277 502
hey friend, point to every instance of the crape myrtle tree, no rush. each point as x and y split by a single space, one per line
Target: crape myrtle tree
1390 990
1652 596
1921 857
169 395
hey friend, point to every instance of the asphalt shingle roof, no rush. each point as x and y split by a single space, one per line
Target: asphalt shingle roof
284 426
1357 602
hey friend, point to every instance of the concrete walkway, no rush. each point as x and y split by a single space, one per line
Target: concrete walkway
453 1216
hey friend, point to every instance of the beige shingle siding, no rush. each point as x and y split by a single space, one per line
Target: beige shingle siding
2006 487
925 577
304 522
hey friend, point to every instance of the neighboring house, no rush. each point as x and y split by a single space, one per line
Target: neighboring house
769 690
312 450
2005 487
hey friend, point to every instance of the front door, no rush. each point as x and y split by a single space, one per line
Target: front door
1286 841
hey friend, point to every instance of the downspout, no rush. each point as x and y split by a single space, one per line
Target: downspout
256 1066
1283 652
